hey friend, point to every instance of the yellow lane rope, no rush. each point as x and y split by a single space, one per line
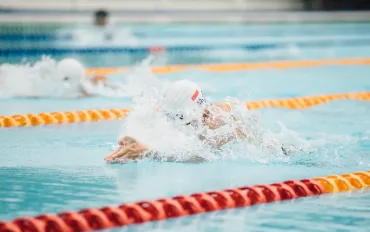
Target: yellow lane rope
19 120
240 66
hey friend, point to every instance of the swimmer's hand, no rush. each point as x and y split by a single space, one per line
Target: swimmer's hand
129 149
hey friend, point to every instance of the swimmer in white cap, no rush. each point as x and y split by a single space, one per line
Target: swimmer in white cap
184 103
75 81
47 78
72 73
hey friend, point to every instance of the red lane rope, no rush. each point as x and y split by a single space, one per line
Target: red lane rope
185 205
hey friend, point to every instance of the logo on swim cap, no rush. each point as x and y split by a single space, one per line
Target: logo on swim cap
201 100
195 95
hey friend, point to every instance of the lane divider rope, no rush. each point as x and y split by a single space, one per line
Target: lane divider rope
186 205
19 120
240 66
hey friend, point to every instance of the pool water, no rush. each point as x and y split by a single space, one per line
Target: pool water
181 43
60 167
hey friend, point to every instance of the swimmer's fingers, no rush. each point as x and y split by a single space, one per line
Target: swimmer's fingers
109 157
130 155
125 152
121 151
122 143
135 151
129 150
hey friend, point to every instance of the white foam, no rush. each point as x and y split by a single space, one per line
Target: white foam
33 80
177 142
44 79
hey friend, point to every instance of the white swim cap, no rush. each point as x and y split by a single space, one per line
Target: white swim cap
72 73
184 100
71 69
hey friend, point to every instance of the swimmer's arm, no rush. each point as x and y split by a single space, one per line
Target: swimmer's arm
155 156
216 123
131 149
219 141
98 78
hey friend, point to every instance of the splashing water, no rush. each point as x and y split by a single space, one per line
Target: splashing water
44 79
176 142
37 80
148 125
172 141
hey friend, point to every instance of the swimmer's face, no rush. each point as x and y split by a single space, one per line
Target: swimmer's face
205 119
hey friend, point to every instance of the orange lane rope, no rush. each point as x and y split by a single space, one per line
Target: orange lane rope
185 205
240 66
19 120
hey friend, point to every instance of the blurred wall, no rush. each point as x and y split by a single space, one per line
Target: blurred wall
166 11
187 4
154 4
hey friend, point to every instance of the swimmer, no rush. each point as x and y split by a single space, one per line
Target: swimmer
47 78
185 104
101 18
73 75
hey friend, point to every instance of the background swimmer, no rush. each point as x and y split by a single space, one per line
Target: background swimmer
185 106
48 78
101 17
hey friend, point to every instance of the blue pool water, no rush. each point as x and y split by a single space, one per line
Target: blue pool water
61 167
185 43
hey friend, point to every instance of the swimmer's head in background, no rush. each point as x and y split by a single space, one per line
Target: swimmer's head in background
184 100
101 17
72 73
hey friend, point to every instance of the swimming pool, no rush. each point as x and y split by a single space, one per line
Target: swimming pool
60 167
181 43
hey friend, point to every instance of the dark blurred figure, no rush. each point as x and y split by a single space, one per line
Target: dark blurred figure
337 4
312 4
101 18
